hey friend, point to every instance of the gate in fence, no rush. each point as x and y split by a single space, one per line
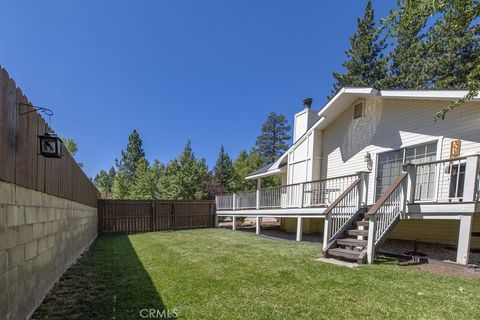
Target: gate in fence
132 216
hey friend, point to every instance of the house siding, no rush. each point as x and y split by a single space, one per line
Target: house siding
391 124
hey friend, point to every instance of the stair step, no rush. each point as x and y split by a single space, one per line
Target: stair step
352 242
356 232
362 223
344 253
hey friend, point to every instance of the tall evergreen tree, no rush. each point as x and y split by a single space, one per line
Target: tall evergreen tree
366 66
272 141
120 189
157 171
412 13
144 186
409 67
131 157
104 180
185 178
222 174
453 43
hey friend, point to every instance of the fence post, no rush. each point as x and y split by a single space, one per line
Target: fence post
257 199
173 217
234 200
152 211
470 184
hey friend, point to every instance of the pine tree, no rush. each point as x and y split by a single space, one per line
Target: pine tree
409 67
413 13
221 175
185 178
120 189
366 66
104 180
130 157
144 185
453 43
157 171
272 141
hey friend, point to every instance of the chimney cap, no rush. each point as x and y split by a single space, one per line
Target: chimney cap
307 103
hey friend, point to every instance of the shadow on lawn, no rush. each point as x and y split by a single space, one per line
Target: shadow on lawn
108 282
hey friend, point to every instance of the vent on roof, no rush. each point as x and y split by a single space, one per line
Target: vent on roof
358 110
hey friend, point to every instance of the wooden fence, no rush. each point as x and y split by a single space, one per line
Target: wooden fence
20 162
131 216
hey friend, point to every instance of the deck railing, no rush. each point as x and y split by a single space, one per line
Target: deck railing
384 214
341 212
450 180
300 195
246 200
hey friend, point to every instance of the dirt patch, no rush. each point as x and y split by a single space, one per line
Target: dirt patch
440 258
448 268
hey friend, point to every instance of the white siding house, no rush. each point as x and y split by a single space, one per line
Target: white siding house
374 164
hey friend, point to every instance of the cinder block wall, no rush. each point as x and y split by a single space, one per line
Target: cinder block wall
40 237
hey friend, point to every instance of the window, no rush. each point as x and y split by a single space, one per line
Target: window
389 167
358 110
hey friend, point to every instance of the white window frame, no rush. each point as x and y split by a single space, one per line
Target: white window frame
438 140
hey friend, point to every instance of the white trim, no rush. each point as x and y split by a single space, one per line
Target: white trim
426 94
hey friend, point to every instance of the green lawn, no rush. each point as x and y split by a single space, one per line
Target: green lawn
220 274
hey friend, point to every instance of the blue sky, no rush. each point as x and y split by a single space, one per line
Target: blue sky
209 71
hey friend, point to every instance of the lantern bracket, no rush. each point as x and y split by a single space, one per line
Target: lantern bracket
43 110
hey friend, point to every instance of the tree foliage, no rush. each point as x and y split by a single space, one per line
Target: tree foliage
243 165
72 148
144 184
272 141
185 177
451 42
221 180
131 156
366 66
104 180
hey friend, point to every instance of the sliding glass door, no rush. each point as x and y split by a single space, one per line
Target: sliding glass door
389 166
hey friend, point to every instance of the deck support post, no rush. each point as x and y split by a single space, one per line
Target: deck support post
234 223
258 224
326 231
464 238
216 221
299 229
372 225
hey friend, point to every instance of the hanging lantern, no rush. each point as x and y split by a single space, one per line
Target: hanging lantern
51 145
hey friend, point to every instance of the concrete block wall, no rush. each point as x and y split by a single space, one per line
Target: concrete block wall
40 237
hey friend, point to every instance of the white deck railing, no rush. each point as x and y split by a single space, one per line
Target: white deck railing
451 180
384 214
301 195
342 212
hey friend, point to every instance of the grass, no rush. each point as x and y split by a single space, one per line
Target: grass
220 274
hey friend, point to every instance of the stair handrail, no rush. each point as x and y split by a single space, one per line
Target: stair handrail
330 234
381 222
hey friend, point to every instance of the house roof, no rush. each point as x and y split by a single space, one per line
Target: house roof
343 100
